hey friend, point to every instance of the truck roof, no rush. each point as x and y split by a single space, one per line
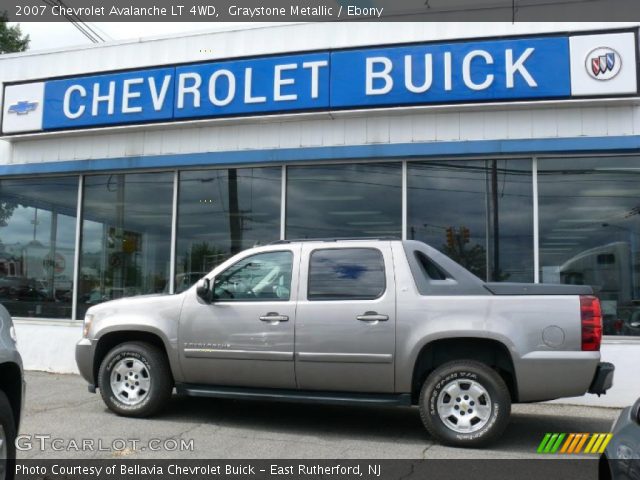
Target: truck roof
333 239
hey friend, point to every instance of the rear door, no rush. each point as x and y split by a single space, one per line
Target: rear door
346 318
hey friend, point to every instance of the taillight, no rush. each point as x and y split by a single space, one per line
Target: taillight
591 318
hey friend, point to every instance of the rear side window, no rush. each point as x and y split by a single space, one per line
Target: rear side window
346 274
430 269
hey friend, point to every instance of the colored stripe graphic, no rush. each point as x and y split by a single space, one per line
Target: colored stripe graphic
600 443
605 443
593 439
570 439
581 443
543 443
573 443
556 445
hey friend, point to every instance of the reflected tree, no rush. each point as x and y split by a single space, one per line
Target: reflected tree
202 257
472 258
6 212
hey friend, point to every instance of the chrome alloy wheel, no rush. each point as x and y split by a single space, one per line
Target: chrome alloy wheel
464 406
130 381
4 452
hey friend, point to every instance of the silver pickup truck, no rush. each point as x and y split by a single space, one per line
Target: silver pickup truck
378 322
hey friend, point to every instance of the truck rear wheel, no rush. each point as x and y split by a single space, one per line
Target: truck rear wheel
7 439
135 379
465 404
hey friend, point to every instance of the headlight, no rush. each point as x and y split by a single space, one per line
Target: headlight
12 334
88 318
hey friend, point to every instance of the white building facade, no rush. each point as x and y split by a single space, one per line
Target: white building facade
136 167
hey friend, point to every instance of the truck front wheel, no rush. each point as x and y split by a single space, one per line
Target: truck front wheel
465 404
135 379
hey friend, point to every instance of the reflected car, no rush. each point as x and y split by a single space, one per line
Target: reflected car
23 289
621 459
632 325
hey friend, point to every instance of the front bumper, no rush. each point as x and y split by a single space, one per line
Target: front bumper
84 359
603 378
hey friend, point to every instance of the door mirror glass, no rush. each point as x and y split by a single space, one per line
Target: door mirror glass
203 289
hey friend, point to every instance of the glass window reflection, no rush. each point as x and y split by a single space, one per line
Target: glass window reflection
478 212
258 278
346 274
37 245
355 200
126 236
222 212
589 232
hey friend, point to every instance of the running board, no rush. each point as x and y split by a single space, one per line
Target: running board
302 396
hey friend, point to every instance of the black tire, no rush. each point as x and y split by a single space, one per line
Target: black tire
7 420
482 432
157 371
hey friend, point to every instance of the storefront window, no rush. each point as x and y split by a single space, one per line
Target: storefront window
355 200
222 212
479 213
589 232
126 236
37 245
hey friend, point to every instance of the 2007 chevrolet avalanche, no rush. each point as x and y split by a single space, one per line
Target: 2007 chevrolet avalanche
351 321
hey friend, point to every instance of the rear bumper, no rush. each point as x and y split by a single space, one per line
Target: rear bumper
547 375
603 378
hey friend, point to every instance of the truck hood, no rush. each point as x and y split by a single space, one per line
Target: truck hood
153 301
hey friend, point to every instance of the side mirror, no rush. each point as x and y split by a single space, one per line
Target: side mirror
203 289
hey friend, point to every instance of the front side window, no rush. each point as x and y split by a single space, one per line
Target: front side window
346 274
261 277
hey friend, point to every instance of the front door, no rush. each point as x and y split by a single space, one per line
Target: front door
346 319
245 336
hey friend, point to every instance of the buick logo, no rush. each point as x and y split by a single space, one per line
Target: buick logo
603 63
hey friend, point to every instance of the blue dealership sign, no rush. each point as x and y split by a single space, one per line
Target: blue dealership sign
498 70
273 84
454 72
131 97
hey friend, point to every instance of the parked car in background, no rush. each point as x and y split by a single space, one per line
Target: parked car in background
621 459
632 325
383 322
11 394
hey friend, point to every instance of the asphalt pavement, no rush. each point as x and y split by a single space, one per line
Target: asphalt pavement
63 420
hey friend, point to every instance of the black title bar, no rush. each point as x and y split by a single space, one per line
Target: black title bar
321 10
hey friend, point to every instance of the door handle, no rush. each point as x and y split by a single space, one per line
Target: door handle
274 317
372 317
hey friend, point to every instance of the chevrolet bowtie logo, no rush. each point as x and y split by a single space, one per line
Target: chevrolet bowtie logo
22 108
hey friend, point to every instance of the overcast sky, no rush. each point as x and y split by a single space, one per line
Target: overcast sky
47 35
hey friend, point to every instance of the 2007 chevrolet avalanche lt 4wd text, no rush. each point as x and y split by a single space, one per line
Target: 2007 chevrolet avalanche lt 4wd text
351 321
